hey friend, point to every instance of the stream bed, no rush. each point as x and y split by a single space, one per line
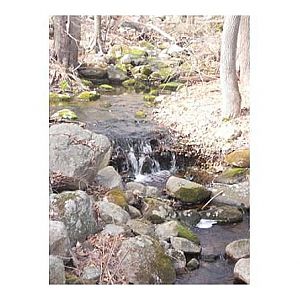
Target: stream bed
135 141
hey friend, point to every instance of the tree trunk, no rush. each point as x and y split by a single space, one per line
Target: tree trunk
66 39
97 34
243 51
229 84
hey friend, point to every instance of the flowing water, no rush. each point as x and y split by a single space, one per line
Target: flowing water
139 154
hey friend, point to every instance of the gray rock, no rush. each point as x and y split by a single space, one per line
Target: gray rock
59 242
90 274
193 264
144 261
56 270
136 186
152 191
74 209
77 153
190 217
242 270
134 212
178 259
157 211
186 191
109 178
140 227
222 214
93 72
115 74
113 229
112 213
238 249
179 243
236 194
166 230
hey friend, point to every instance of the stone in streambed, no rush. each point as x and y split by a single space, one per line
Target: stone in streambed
239 158
109 178
232 176
238 249
186 191
242 270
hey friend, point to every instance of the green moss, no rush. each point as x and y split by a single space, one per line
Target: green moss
146 44
154 92
148 97
123 67
146 70
64 85
65 114
117 196
233 172
129 82
192 194
140 114
140 77
137 52
59 97
89 95
72 279
106 87
186 233
86 82
172 86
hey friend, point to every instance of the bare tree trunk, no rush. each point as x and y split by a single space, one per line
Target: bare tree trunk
66 39
229 84
97 34
243 51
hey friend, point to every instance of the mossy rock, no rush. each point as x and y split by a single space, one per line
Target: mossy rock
140 87
86 82
66 114
140 114
122 67
239 158
129 82
59 97
232 175
186 233
72 279
171 86
154 92
146 70
148 97
117 196
137 52
89 95
140 77
147 45
106 87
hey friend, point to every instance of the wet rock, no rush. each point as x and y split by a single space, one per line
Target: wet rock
242 270
232 176
77 154
144 261
236 194
109 178
89 95
179 243
134 212
239 158
186 191
99 72
56 270
59 242
113 230
112 213
90 274
222 214
157 211
178 259
116 74
141 227
238 249
116 196
193 264
74 209
189 217
136 186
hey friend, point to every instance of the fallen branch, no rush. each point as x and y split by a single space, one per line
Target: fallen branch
211 199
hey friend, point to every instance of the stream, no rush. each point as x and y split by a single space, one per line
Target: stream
138 156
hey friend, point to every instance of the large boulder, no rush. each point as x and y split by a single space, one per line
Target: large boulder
112 213
186 191
242 270
238 249
56 270
74 209
239 158
109 178
59 242
77 154
144 261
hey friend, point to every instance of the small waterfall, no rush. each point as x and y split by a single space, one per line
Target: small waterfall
142 160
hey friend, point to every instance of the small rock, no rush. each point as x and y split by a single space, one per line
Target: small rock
232 176
152 191
109 178
136 186
64 114
184 245
238 249
239 158
116 196
140 227
113 230
56 270
134 212
90 274
193 264
166 230
242 270
112 213
178 260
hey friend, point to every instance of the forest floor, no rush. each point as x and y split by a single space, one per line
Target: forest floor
194 114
